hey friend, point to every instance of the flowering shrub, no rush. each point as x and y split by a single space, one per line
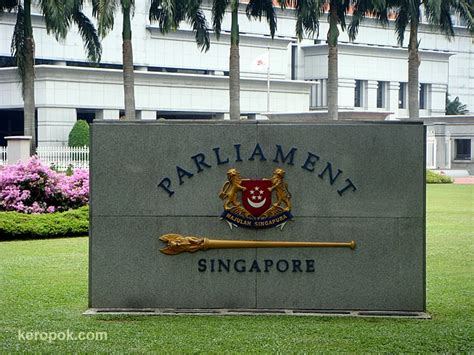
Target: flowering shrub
32 187
75 188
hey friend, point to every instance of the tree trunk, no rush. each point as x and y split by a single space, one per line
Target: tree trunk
413 65
332 83
332 92
234 67
29 80
127 60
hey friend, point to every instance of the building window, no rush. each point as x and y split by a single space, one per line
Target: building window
87 115
358 93
463 149
423 96
11 124
381 86
294 51
402 95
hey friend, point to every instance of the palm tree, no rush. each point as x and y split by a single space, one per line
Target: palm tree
104 11
255 9
168 14
408 14
455 107
307 21
337 15
58 17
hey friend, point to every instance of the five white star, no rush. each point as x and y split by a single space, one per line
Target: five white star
256 193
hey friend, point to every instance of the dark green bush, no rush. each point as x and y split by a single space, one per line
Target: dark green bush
435 178
79 135
15 225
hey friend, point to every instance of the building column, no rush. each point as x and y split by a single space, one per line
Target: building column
54 125
346 88
146 115
107 114
392 100
371 103
443 146
438 99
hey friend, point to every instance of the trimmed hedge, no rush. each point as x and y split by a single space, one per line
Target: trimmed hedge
435 178
79 135
15 225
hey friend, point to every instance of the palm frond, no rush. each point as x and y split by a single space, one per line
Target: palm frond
89 35
8 5
18 45
57 16
218 13
195 16
439 14
376 8
342 7
465 10
162 11
257 8
432 10
307 16
444 21
414 9
104 12
128 4
401 22
180 11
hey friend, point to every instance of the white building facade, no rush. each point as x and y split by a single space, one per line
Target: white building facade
175 80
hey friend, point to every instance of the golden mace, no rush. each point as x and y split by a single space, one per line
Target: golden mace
177 243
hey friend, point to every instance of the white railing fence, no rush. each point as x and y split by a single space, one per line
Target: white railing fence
3 155
63 158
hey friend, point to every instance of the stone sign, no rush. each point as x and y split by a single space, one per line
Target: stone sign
257 215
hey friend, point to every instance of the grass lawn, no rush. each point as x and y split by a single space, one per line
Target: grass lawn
43 287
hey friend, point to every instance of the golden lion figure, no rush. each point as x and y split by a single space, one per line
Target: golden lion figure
281 189
231 188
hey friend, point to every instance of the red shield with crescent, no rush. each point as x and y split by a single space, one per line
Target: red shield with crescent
256 198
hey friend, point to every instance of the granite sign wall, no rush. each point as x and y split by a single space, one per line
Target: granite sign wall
257 215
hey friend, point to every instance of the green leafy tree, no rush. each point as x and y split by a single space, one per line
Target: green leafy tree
58 16
255 9
455 107
408 14
79 135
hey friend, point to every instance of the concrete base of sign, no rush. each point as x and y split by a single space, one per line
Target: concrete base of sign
253 312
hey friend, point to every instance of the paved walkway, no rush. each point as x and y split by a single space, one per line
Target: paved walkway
468 180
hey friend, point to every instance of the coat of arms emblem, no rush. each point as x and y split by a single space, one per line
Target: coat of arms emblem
255 208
